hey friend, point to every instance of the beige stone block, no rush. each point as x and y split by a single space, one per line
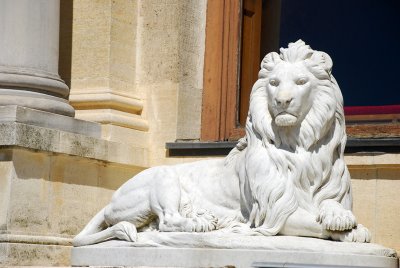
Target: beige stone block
125 135
38 138
83 83
81 145
191 61
125 86
358 160
388 213
363 173
91 9
74 170
158 30
113 176
389 172
16 254
128 155
74 205
29 199
189 114
7 174
28 211
123 31
124 11
70 217
387 159
90 43
6 137
372 159
75 195
364 203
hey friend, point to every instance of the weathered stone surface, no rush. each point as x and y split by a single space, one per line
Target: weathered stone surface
41 197
23 115
25 254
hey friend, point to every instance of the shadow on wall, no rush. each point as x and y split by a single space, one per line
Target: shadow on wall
65 54
67 170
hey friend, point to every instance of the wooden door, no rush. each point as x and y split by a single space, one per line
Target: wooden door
250 53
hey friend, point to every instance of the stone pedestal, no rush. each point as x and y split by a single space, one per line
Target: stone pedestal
224 250
49 166
29 56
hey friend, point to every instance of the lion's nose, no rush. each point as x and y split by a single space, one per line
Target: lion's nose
283 102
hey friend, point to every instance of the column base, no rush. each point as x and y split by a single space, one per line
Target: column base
37 101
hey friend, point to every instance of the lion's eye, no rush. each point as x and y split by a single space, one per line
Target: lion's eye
274 82
301 81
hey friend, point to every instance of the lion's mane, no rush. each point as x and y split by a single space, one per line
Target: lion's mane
283 169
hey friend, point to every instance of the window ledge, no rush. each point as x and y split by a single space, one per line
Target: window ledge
354 145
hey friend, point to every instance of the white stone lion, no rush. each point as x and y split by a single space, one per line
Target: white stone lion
286 176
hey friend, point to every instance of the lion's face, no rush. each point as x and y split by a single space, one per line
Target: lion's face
290 88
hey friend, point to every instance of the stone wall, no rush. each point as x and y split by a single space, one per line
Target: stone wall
376 200
46 199
136 60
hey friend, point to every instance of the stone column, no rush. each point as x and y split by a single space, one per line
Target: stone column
29 44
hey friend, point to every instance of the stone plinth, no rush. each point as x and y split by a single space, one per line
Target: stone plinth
49 166
219 250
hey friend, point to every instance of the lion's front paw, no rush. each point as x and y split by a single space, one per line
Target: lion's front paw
125 231
359 234
334 217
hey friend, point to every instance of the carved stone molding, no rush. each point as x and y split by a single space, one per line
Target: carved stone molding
107 106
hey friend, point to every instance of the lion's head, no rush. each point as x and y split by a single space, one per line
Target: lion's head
296 99
295 137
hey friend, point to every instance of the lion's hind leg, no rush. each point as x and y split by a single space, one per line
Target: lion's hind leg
166 200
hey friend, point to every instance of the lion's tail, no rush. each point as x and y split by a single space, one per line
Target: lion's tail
89 234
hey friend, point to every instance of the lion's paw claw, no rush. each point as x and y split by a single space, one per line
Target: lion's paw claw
336 218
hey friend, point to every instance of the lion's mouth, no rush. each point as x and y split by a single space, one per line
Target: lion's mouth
284 113
285 119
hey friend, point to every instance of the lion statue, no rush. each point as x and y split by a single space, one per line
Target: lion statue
287 176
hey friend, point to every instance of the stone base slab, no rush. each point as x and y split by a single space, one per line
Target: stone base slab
194 257
215 249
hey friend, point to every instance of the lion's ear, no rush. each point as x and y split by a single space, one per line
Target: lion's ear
270 60
323 60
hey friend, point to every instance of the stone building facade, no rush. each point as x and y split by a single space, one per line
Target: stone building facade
90 93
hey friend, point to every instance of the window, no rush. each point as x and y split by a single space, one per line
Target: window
362 37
